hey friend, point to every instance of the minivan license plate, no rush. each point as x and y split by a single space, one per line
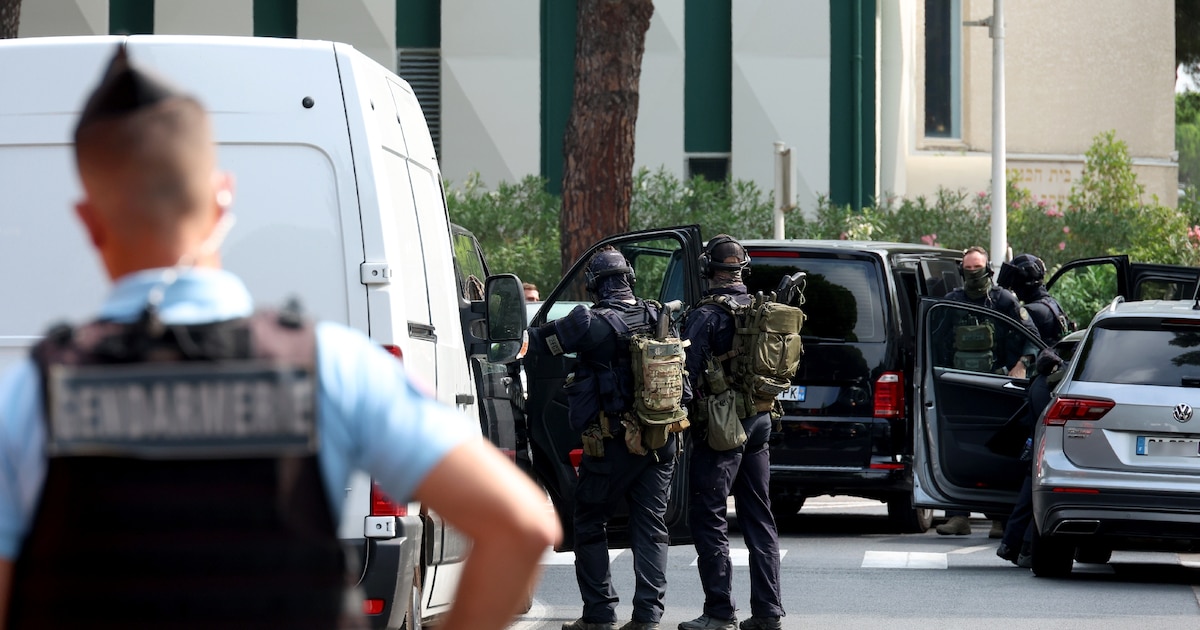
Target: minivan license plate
795 393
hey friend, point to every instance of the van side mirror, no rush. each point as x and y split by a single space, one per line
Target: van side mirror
505 317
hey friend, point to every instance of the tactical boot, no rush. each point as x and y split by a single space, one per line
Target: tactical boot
1006 552
704 622
762 623
641 625
997 530
580 624
1025 558
956 526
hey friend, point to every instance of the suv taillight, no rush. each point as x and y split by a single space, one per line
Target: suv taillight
1065 409
381 505
889 395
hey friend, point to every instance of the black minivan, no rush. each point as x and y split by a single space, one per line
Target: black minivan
847 428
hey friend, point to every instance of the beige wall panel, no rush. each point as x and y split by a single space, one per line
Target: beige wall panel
491 89
659 135
204 17
368 25
44 18
781 92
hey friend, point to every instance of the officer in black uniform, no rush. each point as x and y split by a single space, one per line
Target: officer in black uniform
1010 351
600 398
744 471
1023 276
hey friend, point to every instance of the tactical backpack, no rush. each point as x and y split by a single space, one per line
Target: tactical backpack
766 350
658 376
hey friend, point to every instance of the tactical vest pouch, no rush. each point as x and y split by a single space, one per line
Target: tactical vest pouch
974 337
725 431
974 361
582 400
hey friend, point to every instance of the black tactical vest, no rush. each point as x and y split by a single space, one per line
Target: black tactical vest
182 487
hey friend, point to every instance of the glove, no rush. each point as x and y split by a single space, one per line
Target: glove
593 441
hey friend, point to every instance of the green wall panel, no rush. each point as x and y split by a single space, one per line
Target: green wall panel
708 77
558 84
844 91
418 23
130 17
275 18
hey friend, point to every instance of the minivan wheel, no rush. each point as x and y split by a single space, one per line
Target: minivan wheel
905 518
786 507
1053 557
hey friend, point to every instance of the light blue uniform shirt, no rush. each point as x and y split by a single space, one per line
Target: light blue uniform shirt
370 417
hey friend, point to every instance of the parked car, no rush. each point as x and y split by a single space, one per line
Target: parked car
847 427
1118 454
958 411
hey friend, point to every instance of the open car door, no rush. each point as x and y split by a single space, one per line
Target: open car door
665 264
970 416
1083 287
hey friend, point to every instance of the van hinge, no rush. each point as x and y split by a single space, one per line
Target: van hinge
375 273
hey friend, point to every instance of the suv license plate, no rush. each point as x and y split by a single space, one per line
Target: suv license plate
1168 447
795 393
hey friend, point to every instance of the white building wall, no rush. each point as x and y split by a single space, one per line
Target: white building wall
491 89
897 28
204 17
368 25
781 92
45 18
658 141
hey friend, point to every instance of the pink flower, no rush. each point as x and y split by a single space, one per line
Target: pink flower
1066 230
930 239
982 194
1041 203
843 236
1062 246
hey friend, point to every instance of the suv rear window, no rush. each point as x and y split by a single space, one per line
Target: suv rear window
843 299
1141 352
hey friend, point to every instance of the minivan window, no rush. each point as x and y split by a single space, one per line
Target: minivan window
1151 355
843 298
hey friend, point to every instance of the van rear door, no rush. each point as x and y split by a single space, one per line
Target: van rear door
665 263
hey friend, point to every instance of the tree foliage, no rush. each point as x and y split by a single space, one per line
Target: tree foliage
1187 35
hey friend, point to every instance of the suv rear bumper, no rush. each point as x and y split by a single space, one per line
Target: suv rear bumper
856 456
819 480
1121 520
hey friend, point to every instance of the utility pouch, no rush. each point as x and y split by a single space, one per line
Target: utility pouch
714 375
725 430
593 441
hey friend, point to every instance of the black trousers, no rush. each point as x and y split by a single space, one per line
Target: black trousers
746 473
643 481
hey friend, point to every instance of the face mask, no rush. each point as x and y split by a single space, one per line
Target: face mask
976 283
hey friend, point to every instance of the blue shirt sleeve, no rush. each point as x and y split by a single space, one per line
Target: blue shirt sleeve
22 449
374 419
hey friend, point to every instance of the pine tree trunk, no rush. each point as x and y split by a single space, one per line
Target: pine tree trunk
610 38
10 17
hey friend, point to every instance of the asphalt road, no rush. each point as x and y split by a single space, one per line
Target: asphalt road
842 568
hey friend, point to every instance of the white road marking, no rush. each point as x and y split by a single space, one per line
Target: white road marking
536 617
741 557
903 560
552 557
973 549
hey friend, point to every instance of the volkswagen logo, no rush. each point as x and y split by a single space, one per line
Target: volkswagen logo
1182 413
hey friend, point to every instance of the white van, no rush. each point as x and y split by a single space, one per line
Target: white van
339 202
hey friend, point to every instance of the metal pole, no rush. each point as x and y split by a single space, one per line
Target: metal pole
999 244
780 186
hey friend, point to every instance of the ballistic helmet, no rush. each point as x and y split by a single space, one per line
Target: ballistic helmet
605 263
1024 271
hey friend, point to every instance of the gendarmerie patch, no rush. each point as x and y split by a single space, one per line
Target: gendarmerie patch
182 410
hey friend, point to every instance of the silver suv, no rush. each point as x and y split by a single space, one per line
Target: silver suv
1118 450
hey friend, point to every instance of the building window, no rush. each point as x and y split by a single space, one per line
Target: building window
422 68
713 168
943 68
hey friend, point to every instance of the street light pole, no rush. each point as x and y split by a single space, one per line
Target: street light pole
999 242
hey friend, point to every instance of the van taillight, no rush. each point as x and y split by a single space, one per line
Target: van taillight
381 505
889 395
394 351
1065 409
